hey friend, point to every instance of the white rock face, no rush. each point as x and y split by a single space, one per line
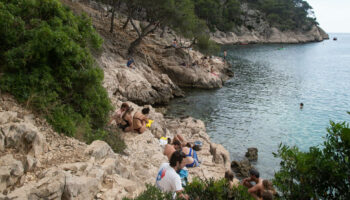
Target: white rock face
99 150
68 169
11 171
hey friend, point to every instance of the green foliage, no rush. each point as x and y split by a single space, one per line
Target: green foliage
223 16
286 14
46 63
321 173
200 189
152 192
111 137
215 190
206 46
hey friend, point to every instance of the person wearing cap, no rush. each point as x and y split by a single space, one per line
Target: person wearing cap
256 189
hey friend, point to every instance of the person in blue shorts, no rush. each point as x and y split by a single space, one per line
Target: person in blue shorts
130 63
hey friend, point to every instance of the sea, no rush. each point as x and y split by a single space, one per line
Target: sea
260 106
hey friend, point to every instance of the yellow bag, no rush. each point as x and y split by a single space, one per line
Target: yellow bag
149 123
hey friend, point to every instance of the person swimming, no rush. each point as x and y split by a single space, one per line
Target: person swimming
301 105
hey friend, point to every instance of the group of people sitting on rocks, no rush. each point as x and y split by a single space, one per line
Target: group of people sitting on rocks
125 121
169 175
172 176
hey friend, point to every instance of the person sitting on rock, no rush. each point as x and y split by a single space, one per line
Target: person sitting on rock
169 149
178 137
123 118
191 155
257 189
168 180
130 63
268 186
174 43
140 120
230 177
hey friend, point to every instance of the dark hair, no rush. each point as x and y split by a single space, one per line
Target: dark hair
176 142
229 175
266 195
301 104
188 145
267 184
177 156
169 141
145 111
254 172
125 105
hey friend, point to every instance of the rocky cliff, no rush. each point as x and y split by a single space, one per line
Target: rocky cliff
38 163
159 71
256 29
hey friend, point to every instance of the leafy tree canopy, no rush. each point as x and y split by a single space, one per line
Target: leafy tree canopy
46 63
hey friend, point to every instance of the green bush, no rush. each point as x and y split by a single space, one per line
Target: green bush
47 65
200 189
152 193
321 173
215 190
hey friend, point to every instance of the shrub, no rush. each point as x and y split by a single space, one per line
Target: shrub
321 173
200 189
152 192
46 63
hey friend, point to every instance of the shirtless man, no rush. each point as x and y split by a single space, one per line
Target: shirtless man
257 189
123 118
140 120
169 149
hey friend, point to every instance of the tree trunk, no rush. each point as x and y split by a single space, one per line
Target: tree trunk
134 44
163 30
126 23
112 20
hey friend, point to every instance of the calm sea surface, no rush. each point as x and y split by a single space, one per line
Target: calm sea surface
259 107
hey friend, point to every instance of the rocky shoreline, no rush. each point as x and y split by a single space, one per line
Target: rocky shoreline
316 34
38 163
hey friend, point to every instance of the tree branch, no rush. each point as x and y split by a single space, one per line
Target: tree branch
134 26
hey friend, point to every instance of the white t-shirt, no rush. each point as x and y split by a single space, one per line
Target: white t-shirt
167 179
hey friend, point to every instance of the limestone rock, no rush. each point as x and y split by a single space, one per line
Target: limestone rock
220 155
241 168
7 116
99 149
24 137
11 171
80 187
252 154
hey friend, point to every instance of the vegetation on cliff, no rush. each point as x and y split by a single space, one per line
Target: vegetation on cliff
46 63
283 14
286 14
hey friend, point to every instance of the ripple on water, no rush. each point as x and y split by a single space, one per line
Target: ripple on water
259 107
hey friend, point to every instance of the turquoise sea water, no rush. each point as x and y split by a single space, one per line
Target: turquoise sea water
259 107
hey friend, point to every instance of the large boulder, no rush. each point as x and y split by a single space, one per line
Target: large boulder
25 138
11 171
7 116
241 168
99 150
252 154
220 155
